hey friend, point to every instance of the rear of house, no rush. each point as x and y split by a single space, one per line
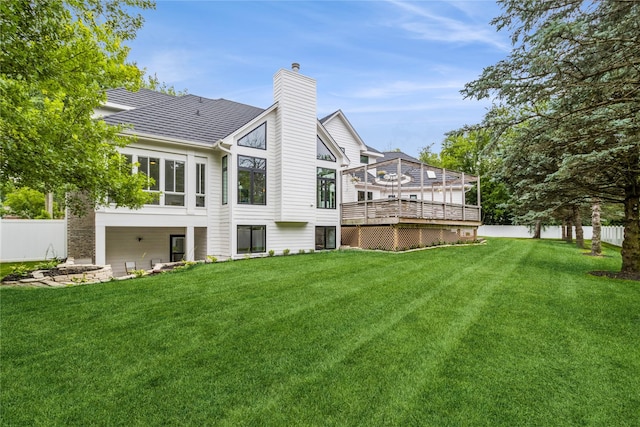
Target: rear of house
233 180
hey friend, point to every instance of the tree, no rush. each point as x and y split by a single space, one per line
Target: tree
28 203
153 82
575 73
57 60
468 151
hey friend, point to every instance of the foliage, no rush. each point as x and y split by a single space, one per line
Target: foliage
57 60
153 82
343 338
474 152
28 203
571 87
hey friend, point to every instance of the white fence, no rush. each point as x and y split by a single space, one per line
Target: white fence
609 234
32 239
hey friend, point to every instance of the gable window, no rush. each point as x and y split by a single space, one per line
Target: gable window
150 166
225 180
173 183
361 196
323 152
252 180
200 184
326 188
257 138
364 159
325 238
252 239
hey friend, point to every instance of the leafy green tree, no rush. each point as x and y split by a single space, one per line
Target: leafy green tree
573 75
469 151
58 57
153 82
26 203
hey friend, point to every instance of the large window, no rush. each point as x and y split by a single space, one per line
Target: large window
325 238
252 180
200 185
257 138
323 152
150 166
173 183
326 188
252 239
225 180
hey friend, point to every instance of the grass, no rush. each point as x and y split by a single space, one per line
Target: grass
515 332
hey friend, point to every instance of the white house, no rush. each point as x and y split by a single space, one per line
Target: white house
234 180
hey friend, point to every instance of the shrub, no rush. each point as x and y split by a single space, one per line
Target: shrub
272 252
286 252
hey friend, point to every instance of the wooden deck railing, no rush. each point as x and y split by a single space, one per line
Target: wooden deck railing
405 208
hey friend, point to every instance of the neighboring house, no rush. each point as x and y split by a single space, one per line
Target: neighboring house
234 180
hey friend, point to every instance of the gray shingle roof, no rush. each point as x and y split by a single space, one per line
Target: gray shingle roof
137 99
188 117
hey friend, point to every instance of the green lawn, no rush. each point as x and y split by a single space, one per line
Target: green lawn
515 332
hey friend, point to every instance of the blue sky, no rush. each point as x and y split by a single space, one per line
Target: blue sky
395 68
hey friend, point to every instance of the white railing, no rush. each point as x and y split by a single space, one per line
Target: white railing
406 208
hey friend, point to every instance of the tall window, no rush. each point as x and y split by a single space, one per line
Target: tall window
323 152
252 239
225 180
257 138
326 188
252 180
200 184
150 166
325 238
173 183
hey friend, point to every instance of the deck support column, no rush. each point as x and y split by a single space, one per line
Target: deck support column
421 190
366 197
464 200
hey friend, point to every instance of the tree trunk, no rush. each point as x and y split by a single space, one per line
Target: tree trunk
631 243
579 231
564 230
538 230
569 232
596 242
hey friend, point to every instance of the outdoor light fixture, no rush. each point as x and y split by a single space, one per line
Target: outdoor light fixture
139 239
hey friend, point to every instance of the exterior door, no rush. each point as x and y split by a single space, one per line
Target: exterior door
177 247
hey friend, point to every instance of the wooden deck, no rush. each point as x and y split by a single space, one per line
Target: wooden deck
398 211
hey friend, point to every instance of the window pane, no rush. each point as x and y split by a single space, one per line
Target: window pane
244 239
225 181
330 239
173 199
179 172
364 159
244 186
168 175
258 237
200 201
323 153
319 238
257 138
259 188
154 172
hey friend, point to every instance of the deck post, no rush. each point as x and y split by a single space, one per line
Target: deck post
444 193
399 178
366 202
421 190
464 200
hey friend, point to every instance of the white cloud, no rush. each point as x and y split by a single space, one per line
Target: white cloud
431 26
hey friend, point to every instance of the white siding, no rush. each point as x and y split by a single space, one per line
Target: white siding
296 97
345 139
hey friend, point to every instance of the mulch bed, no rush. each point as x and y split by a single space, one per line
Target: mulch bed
617 275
